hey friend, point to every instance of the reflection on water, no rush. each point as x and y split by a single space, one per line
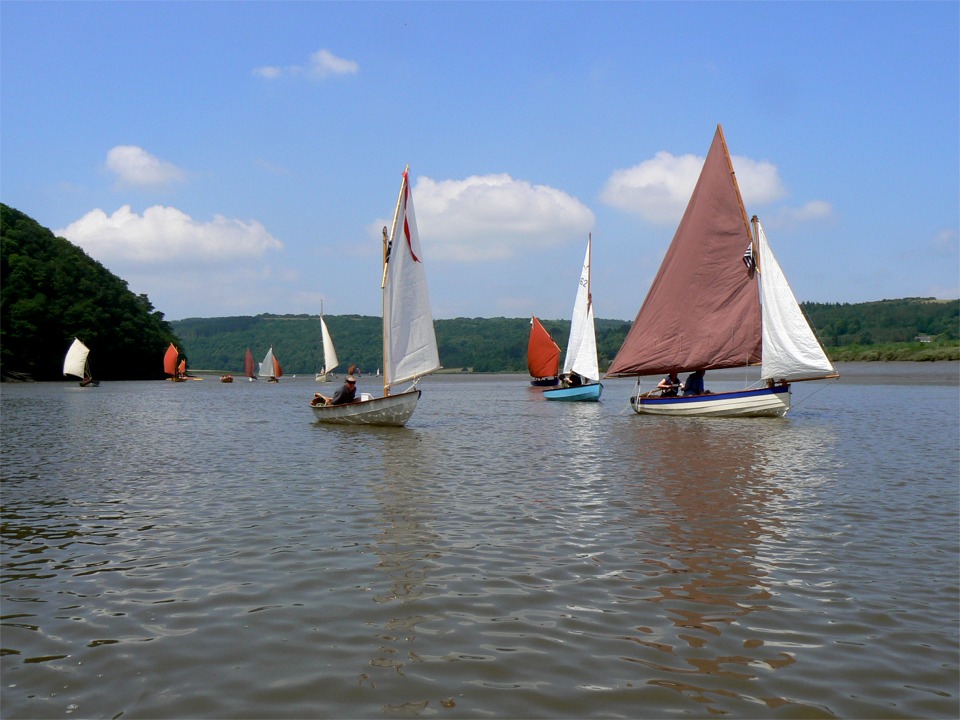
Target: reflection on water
500 556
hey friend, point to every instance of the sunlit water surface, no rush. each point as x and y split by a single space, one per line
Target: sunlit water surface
208 550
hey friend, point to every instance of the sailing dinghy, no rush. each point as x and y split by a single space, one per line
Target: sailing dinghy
409 343
77 363
270 367
543 356
580 360
705 312
170 358
330 360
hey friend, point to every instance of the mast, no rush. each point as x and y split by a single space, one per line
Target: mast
733 176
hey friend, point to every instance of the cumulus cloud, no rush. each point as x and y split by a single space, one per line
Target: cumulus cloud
135 166
495 217
165 236
319 65
658 189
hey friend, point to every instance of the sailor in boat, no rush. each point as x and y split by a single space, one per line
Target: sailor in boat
572 380
670 385
346 394
693 385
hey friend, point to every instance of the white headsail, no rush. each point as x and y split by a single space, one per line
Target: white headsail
581 356
409 342
790 349
267 367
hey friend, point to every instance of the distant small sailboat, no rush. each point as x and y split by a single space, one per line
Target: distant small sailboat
330 360
704 310
170 358
77 364
580 360
249 371
270 367
543 356
409 342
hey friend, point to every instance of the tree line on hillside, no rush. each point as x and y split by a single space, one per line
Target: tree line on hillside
51 291
477 344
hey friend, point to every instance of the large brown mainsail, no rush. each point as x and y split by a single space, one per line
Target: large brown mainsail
703 308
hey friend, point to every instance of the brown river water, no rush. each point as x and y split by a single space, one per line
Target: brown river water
202 550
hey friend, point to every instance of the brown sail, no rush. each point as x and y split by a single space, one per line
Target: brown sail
543 355
703 308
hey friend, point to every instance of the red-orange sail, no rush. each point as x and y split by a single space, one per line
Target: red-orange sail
277 370
703 309
248 369
170 360
543 355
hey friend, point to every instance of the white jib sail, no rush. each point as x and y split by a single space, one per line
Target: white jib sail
409 342
581 356
266 367
76 360
330 360
790 349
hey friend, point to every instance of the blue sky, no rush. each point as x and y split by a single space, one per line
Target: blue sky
234 158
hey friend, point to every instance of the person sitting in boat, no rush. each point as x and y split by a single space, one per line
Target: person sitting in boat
346 394
572 380
670 385
693 385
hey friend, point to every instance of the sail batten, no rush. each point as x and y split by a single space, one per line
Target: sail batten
703 308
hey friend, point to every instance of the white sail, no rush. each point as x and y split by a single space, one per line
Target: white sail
330 360
790 349
76 360
409 342
581 356
267 366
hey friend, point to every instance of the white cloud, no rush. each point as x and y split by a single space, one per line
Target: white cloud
658 189
494 217
135 166
164 237
321 64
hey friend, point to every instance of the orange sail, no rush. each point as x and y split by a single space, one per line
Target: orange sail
170 360
277 370
543 355
248 364
182 367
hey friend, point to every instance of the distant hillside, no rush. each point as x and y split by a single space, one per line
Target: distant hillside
483 344
500 344
51 291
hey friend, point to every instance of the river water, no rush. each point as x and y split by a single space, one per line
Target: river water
208 550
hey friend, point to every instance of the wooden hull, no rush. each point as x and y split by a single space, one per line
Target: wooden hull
765 402
391 411
322 377
545 382
581 393
226 379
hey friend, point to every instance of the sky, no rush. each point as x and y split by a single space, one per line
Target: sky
238 158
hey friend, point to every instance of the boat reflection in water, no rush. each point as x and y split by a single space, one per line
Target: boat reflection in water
709 557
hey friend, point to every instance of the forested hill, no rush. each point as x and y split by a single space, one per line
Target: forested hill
51 291
500 344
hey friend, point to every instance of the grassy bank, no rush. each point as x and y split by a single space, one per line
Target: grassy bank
912 351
